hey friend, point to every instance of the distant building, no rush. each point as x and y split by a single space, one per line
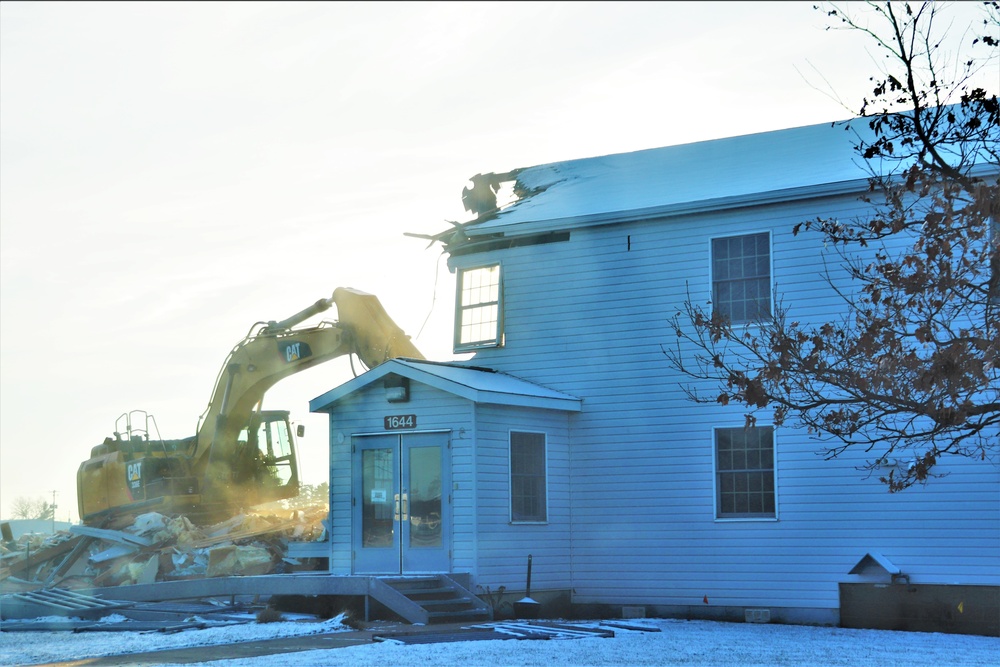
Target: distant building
19 527
568 435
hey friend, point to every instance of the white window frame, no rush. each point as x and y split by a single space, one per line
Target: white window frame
544 476
460 310
720 518
770 270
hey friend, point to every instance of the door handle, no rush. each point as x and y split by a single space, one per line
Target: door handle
400 502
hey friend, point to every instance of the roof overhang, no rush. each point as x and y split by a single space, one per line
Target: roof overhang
507 229
479 385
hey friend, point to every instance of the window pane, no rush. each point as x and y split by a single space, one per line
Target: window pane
725 460
745 472
478 312
527 477
741 277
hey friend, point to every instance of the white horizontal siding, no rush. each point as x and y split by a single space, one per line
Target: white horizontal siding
504 546
588 317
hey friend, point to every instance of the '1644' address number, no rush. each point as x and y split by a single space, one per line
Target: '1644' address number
395 422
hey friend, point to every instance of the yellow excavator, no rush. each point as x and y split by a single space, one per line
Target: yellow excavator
242 455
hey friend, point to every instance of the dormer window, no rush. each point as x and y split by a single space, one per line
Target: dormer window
478 308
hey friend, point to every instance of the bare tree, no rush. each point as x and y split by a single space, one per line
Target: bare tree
910 370
31 508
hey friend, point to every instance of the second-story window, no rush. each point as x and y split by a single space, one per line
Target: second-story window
478 310
741 277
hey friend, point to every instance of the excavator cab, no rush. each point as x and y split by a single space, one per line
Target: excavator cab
266 462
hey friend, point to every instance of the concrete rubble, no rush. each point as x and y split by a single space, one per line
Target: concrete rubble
157 547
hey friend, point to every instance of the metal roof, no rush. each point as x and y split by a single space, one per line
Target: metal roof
479 385
780 165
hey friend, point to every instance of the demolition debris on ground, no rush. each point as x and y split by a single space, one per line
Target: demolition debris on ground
157 547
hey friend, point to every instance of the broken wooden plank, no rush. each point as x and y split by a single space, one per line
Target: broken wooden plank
112 571
630 626
112 536
13 584
239 535
147 573
40 557
71 558
117 551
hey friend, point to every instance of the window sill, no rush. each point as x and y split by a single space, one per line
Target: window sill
749 325
472 347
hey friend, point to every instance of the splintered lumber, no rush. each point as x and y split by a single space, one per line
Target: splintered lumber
81 545
12 584
41 557
116 551
236 560
112 536
241 535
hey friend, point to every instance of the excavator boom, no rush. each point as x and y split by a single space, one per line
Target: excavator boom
239 450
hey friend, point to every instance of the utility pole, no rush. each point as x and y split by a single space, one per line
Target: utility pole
54 506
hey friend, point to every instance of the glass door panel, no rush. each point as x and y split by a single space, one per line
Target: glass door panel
376 505
378 497
425 497
427 483
401 509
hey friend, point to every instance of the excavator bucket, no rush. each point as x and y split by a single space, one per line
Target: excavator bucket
377 338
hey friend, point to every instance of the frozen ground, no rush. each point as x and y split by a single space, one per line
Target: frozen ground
678 643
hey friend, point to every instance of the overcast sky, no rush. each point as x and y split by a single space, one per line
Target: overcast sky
171 173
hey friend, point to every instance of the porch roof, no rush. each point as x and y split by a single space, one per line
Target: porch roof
479 385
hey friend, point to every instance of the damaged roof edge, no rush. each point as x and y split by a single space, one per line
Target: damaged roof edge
482 200
501 227
538 226
767 167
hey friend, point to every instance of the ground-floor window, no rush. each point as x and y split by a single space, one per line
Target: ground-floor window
744 469
527 477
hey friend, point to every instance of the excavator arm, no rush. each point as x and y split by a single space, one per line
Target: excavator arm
376 338
275 350
238 449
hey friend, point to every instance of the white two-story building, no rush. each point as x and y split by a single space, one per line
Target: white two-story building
568 436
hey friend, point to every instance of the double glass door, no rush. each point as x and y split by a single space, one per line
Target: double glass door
401 503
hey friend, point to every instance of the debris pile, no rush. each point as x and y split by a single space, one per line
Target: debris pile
157 547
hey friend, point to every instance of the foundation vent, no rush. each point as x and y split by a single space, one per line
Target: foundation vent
633 612
757 615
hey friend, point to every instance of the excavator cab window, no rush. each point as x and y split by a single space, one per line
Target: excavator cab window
268 459
274 443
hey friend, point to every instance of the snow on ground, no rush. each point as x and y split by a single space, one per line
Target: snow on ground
688 643
32 648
